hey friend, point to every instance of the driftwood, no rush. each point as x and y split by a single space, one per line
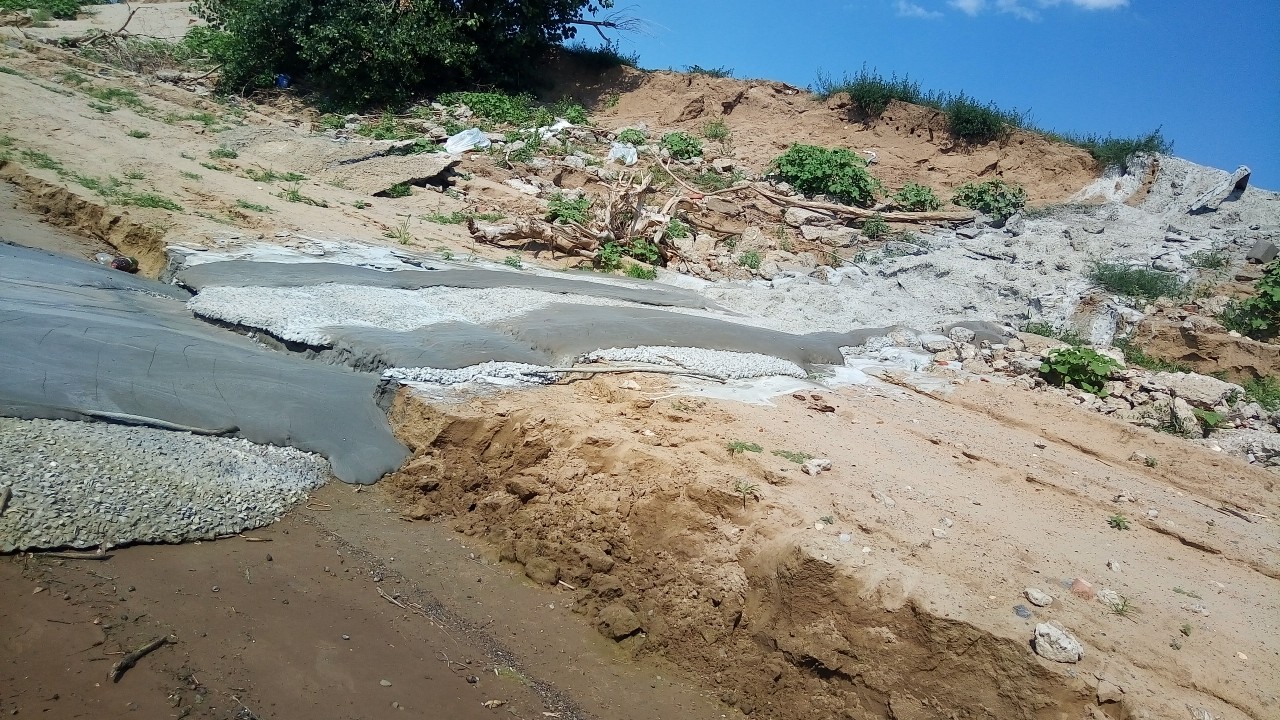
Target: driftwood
118 670
96 555
96 35
863 214
524 230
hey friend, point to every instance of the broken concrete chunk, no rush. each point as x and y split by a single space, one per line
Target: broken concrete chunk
1054 643
970 232
377 174
1229 189
815 466
1037 597
1262 251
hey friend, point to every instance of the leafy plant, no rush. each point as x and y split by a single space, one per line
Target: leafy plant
1140 283
359 204
1263 390
566 209
445 253
1258 316
331 121
676 229
916 198
996 198
609 257
252 206
837 172
398 190
750 259
1150 461
386 128
1209 419
740 446
223 152
976 123
746 490
716 130
1084 368
875 227
827 520
795 457
644 251
681 145
642 272
139 134
513 261
1118 522
632 135
1117 152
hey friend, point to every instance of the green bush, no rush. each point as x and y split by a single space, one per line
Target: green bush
359 52
681 145
605 57
1116 152
1258 316
916 198
875 227
676 229
609 258
996 198
55 9
715 72
641 272
1140 283
750 259
633 136
716 130
1084 368
515 109
1135 355
975 123
837 172
869 91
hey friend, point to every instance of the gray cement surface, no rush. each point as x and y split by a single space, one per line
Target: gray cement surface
79 340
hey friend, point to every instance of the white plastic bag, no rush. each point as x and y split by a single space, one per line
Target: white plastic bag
624 153
466 140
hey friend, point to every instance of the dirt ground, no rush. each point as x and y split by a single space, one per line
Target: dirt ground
595 550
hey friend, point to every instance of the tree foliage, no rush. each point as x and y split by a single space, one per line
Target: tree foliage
365 51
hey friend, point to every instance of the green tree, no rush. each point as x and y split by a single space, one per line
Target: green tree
365 51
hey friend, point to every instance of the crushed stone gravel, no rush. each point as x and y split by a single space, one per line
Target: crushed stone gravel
78 484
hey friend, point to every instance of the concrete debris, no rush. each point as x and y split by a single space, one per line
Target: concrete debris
1038 598
815 466
1054 643
1229 189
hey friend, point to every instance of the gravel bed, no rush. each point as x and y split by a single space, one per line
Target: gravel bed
79 484
723 363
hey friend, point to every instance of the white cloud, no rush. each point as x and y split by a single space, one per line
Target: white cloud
910 9
1013 7
969 7
1089 4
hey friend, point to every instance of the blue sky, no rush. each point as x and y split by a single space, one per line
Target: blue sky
1206 71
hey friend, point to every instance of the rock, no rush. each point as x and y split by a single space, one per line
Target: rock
722 206
883 499
815 466
1262 252
970 233
1229 189
523 187
1038 598
834 237
1082 588
574 161
1054 643
1200 391
384 683
935 343
1109 692
1109 597
939 533
799 217
723 165
618 622
542 570
962 335
1113 565
1015 225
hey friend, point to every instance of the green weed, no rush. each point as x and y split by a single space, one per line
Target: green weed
717 130
252 206
1135 355
750 259
103 107
400 233
513 261
740 446
1188 593
268 175
1263 390
222 152
601 58
1118 522
43 161
293 193
677 229
150 200
1117 152
139 134
1044 329
1215 259
875 227
641 272
795 457
715 72
398 190
387 128
1138 283
746 490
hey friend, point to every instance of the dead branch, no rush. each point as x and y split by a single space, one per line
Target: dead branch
76 556
527 229
863 214
118 670
391 600
96 35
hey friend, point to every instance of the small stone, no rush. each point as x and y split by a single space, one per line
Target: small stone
1021 611
1107 596
1037 597
384 683
473 679
617 621
1113 565
1053 643
1082 588
37 591
214 588
815 466
1109 692
939 533
346 637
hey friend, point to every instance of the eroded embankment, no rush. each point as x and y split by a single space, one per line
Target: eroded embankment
669 560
